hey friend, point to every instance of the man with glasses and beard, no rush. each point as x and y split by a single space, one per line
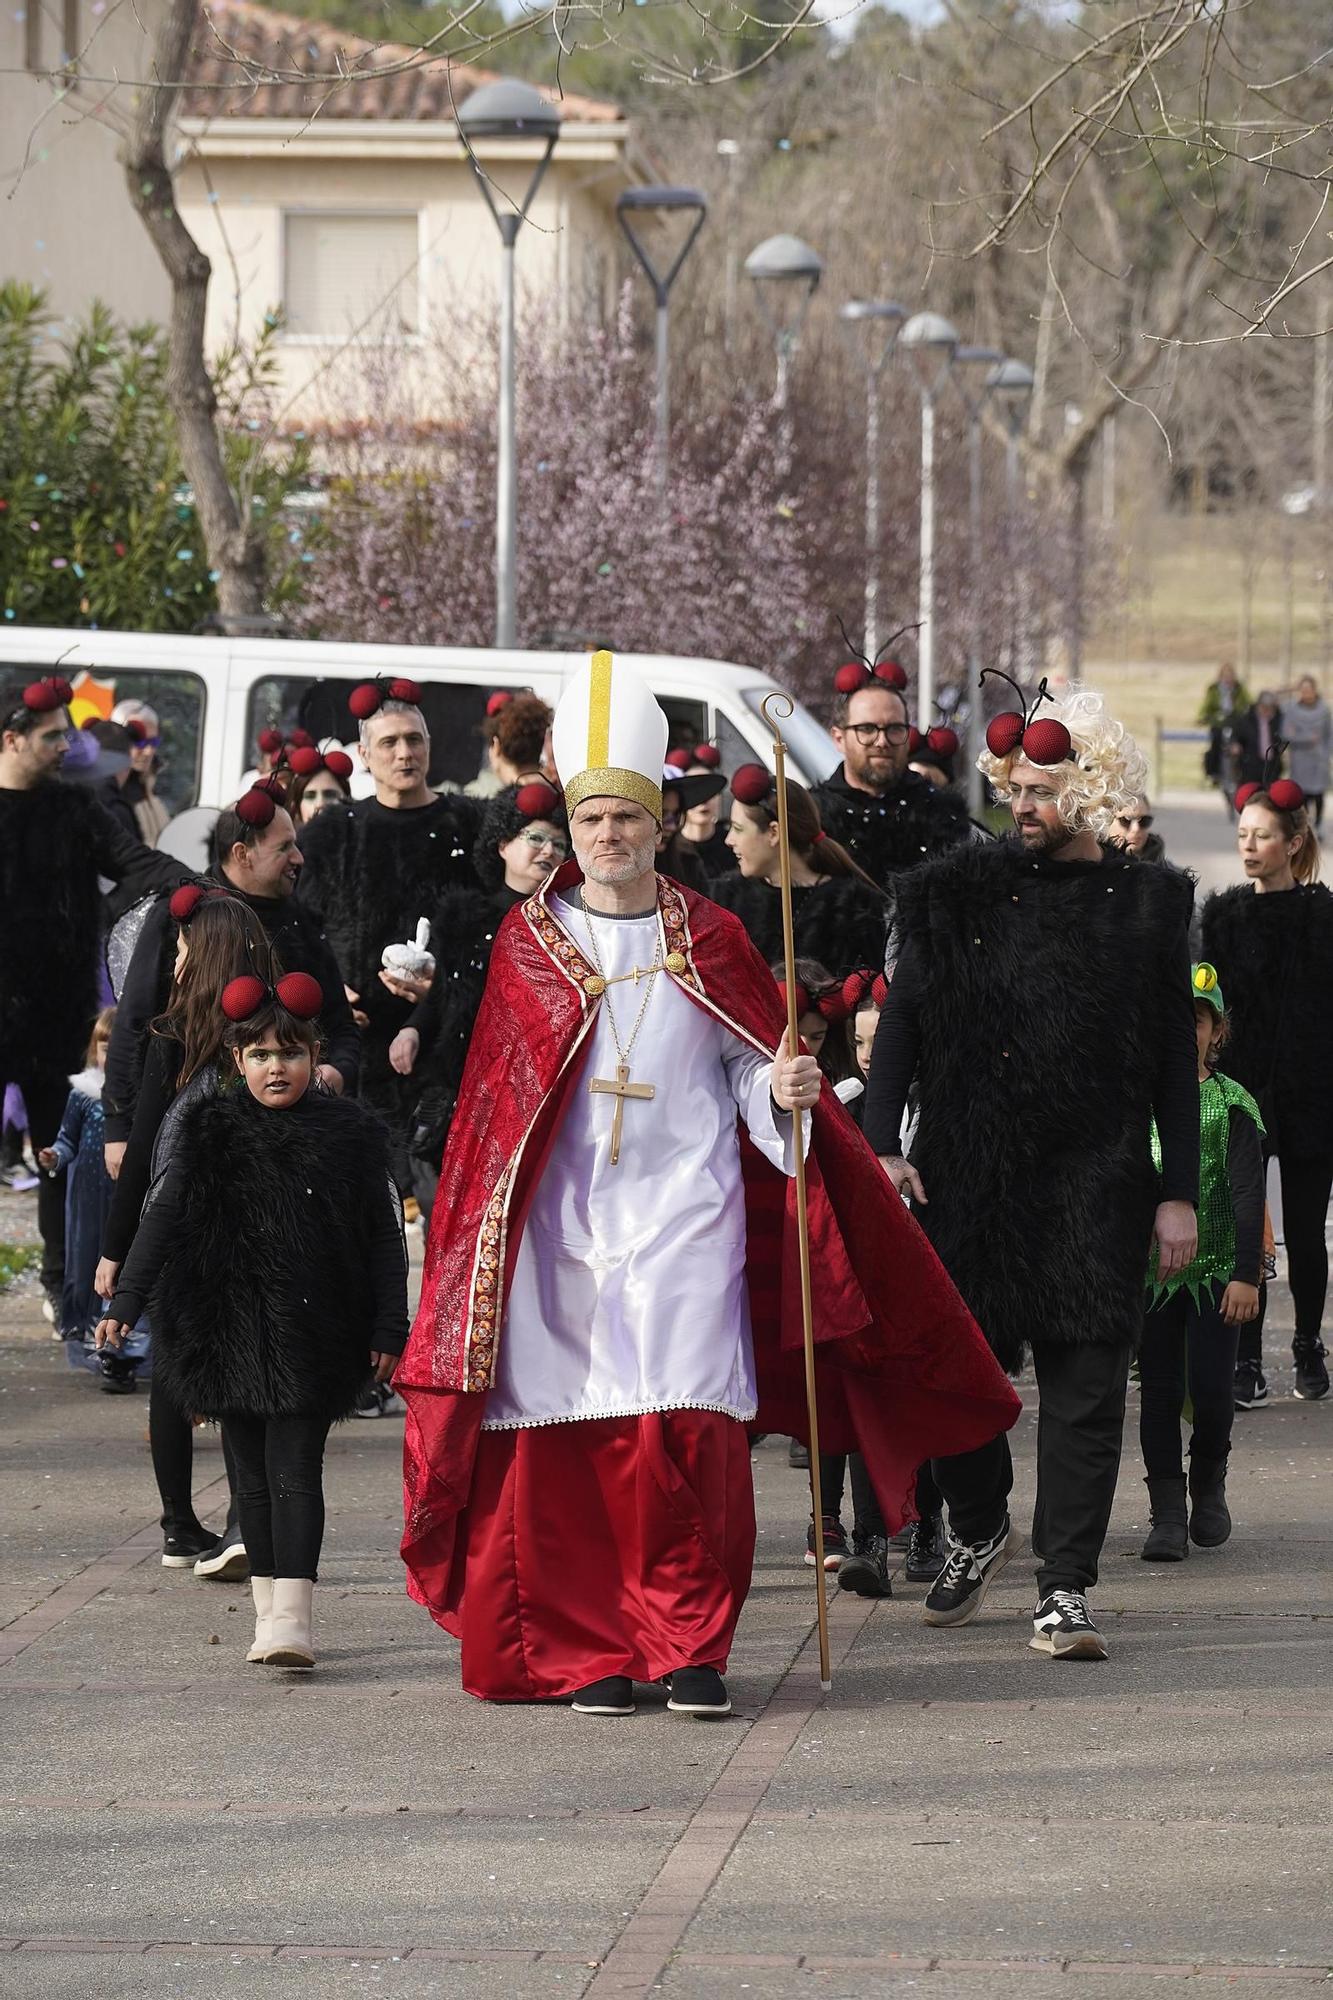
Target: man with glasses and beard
888 817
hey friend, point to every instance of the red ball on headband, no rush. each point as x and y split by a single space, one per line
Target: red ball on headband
537 801
500 699
916 742
1286 795
1004 733
186 900
891 674
136 730
679 759
364 700
44 695
708 755
243 997
271 741
1047 741
300 739
1244 793
305 762
943 741
300 994
804 1004
751 784
401 690
256 807
851 677
338 762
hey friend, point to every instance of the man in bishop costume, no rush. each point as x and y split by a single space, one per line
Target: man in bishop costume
612 1293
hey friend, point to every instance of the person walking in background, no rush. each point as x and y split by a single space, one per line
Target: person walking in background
1132 830
1256 736
1271 941
144 730
1308 727
1225 701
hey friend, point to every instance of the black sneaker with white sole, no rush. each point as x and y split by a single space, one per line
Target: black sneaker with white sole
184 1543
1249 1389
226 1561
1311 1369
612 1696
959 1591
699 1691
1062 1626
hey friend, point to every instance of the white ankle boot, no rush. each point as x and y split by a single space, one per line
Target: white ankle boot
289 1636
261 1589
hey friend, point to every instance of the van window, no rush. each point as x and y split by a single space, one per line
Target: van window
733 748
812 748
179 701
454 713
687 721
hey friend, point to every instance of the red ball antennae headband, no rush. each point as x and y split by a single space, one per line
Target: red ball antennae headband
257 806
306 760
296 993
863 672
537 800
187 900
865 988
51 692
1046 742
370 697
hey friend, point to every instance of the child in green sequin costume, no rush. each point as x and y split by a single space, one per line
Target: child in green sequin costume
1193 1321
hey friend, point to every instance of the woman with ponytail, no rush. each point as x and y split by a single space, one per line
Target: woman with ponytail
1272 944
840 917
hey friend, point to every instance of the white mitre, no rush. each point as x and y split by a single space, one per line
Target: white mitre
609 737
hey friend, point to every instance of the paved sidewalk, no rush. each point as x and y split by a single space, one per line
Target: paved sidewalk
961 1818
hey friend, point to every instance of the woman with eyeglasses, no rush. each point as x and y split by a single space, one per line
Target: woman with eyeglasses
524 835
1132 830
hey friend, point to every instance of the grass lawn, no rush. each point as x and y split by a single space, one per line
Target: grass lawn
16 1257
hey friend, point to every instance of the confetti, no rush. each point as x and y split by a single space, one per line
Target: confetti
59 562
185 555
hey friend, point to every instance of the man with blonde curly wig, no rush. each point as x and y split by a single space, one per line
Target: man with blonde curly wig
1041 1001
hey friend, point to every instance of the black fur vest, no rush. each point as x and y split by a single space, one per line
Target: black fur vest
50 929
841 922
1042 1015
265 1303
1274 957
886 835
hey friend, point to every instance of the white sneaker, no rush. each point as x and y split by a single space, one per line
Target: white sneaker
1062 1626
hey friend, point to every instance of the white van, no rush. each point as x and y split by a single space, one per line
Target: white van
214 695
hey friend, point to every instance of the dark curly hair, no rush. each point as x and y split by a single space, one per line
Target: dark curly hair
502 822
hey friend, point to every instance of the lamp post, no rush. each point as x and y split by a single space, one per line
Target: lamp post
661 201
786 275
507 109
929 342
1010 391
972 370
874 324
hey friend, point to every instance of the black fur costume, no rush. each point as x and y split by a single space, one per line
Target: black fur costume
55 840
1048 994
1274 957
912 823
468 919
840 922
272 1259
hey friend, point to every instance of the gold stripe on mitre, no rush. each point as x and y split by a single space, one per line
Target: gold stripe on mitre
613 782
599 713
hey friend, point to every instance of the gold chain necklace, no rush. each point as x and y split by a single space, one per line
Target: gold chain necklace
624 1050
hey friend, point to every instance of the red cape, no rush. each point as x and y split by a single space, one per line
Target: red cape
903 1371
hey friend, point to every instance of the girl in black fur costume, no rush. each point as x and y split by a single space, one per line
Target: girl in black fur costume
271 1252
840 917
1272 943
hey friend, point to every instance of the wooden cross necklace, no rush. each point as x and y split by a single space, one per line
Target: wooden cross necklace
621 1088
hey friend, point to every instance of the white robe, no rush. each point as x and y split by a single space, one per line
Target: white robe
628 1293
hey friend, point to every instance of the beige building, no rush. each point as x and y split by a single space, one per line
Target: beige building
323 176
351 209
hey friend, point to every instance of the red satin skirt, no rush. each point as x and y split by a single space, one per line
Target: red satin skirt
622 1546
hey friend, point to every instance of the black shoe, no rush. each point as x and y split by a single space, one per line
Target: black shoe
612 1696
927 1552
1311 1369
117 1377
1168 1540
1210 1521
183 1545
1062 1626
959 1591
798 1456
835 1543
1249 1389
226 1561
866 1569
699 1691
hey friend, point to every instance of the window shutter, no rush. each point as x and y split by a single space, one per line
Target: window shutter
351 274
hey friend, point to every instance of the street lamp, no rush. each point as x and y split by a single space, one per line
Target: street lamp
661 201
507 109
929 342
1010 391
873 324
972 371
786 274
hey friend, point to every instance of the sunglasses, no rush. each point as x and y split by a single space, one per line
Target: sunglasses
1144 820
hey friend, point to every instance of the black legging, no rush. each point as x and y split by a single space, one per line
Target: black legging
171 1441
1306 1184
867 1518
280 1463
1184 1346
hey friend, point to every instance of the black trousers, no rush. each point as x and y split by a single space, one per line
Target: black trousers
1185 1347
1306 1184
171 1442
867 1516
45 1098
280 1486
1080 1424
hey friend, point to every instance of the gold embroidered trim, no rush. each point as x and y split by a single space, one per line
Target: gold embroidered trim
611 781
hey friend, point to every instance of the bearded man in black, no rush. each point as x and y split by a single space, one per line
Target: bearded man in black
888 817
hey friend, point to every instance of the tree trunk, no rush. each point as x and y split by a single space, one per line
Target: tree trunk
235 549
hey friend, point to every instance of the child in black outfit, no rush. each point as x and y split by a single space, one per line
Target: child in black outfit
271 1256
